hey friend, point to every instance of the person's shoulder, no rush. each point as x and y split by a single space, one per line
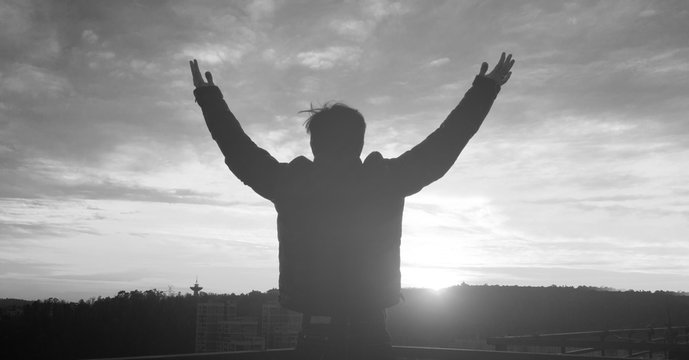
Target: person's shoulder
301 162
295 170
380 172
375 160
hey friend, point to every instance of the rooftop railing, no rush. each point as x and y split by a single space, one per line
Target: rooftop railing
400 353
670 343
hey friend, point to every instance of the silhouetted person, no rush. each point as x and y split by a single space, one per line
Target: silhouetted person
340 219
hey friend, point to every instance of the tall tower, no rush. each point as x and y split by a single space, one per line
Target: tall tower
196 288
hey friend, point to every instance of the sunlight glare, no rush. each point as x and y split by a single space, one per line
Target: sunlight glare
435 279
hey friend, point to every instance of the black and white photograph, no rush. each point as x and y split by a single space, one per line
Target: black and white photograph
344 179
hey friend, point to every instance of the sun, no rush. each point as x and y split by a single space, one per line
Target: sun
431 278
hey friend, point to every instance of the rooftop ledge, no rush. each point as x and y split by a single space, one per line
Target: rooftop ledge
401 352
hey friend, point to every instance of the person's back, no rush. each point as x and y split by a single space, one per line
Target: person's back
339 228
340 219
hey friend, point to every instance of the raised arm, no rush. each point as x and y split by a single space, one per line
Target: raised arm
254 166
433 157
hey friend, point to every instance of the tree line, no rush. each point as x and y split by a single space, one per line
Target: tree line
152 322
430 318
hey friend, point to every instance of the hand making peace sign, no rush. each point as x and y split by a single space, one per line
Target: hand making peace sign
196 75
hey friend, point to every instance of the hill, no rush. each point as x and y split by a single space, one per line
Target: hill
152 322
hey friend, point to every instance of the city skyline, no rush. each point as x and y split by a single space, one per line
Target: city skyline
110 180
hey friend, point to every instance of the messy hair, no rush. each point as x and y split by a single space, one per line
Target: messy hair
329 112
335 129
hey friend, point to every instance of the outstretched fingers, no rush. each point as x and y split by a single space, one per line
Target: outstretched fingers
501 63
195 73
502 70
484 68
507 77
504 66
197 77
508 63
197 70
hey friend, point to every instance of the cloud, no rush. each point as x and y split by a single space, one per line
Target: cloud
580 150
354 29
379 100
380 9
672 62
89 36
212 54
38 229
333 56
121 277
572 276
284 144
15 18
33 81
20 38
24 222
52 179
17 268
259 9
362 27
438 62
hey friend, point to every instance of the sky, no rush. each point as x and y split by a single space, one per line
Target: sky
109 179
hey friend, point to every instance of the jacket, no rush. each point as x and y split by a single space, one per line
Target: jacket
340 225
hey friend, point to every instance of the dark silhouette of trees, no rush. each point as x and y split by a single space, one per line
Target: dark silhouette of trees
130 323
436 319
152 323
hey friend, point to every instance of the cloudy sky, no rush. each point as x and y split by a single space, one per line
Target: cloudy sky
110 181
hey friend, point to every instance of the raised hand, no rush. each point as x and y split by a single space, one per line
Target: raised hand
501 72
196 75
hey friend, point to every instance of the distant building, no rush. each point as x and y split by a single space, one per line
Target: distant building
280 326
241 334
209 329
218 328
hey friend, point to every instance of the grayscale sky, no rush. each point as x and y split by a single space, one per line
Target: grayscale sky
110 181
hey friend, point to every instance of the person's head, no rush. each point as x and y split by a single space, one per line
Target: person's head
337 132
